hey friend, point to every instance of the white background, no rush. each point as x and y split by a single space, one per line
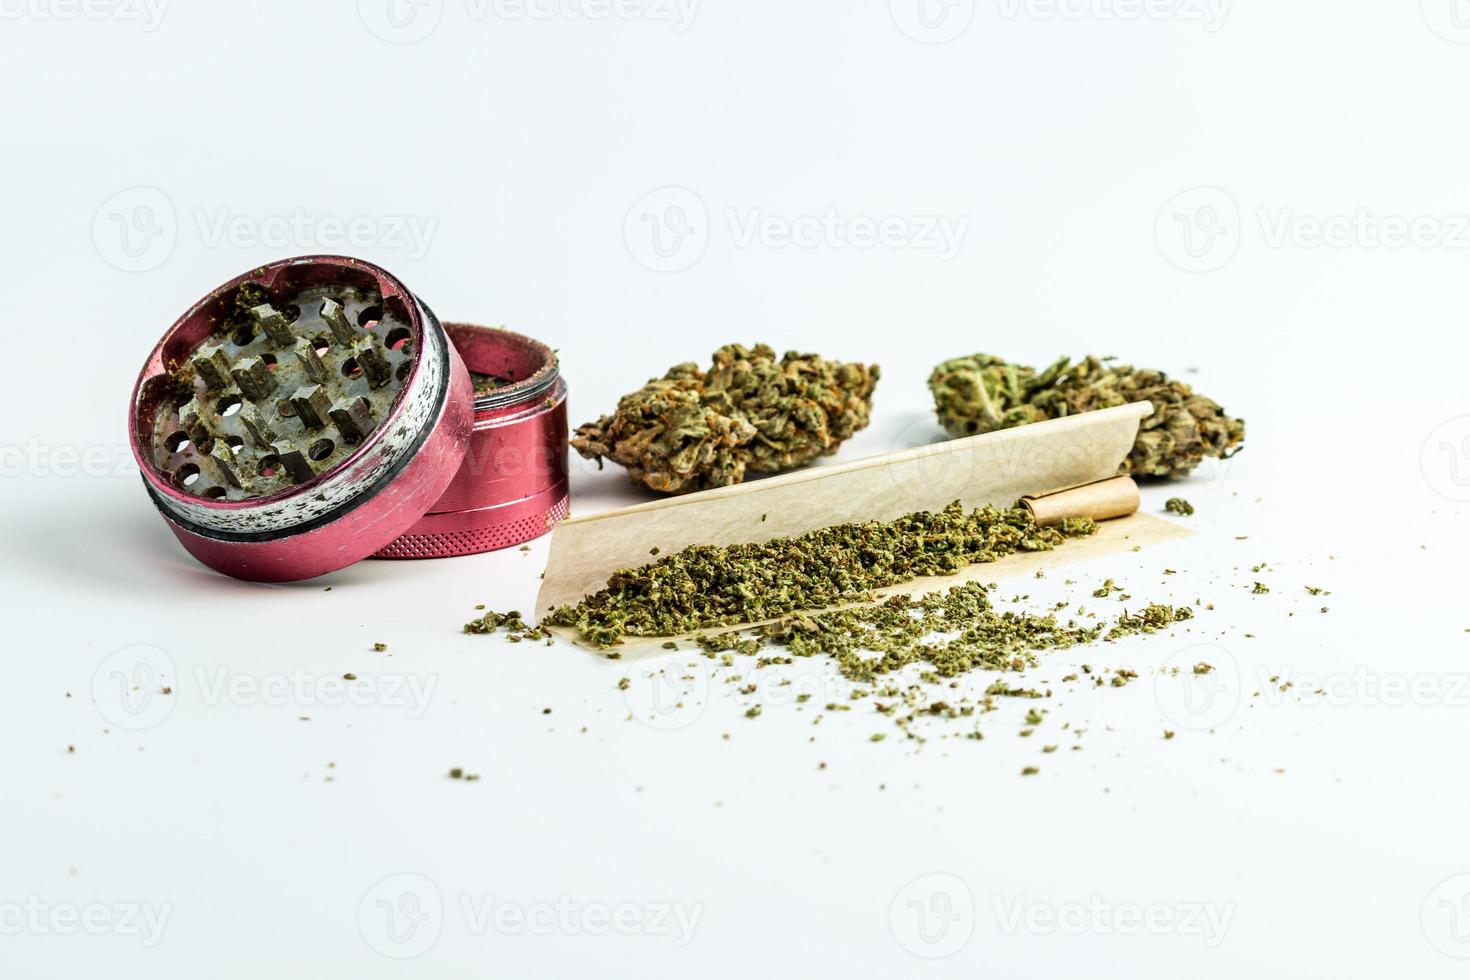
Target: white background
151 153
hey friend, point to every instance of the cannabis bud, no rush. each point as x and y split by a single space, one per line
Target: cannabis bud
693 430
982 393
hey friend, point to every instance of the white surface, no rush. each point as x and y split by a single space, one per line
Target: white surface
531 146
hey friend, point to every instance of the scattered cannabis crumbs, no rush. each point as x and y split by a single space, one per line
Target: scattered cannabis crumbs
707 586
516 628
1180 506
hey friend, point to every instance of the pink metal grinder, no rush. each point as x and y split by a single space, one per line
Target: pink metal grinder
512 486
300 417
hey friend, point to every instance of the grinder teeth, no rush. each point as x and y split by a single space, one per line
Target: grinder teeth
253 376
373 360
260 432
221 464
312 406
274 323
311 362
353 418
292 460
280 393
213 365
336 320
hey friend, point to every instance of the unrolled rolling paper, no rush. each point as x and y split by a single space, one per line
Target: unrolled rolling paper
995 468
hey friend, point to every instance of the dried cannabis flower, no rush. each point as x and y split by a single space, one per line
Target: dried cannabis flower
982 393
693 430
704 585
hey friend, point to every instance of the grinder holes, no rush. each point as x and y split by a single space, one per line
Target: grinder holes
369 317
269 466
321 449
351 369
186 476
213 493
243 336
229 405
269 360
176 442
285 409
398 339
235 443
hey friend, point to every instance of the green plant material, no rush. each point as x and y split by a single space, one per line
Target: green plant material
1150 620
981 393
693 430
705 585
516 628
1180 506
